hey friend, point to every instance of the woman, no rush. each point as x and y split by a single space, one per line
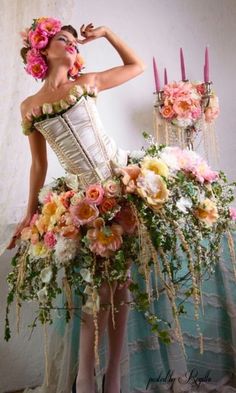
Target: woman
60 55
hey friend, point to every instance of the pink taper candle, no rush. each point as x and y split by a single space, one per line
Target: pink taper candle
156 76
183 74
165 77
206 67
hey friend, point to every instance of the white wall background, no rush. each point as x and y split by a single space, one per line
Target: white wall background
150 27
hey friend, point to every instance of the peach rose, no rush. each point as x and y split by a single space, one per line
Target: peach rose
94 194
167 112
130 174
107 205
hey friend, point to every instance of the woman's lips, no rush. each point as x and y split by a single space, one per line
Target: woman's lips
70 49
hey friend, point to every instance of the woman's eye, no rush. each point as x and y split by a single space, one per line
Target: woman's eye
62 38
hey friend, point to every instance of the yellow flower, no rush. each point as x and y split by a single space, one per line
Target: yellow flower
52 212
39 250
155 165
207 212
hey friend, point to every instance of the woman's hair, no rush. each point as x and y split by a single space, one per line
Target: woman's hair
69 28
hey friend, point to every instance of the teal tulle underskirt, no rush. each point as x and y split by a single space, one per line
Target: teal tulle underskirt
148 365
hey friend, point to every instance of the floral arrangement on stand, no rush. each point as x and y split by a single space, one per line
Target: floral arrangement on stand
185 110
166 200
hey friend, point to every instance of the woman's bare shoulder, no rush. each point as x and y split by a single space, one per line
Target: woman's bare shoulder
26 104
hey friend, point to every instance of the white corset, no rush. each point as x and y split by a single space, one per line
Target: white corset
80 143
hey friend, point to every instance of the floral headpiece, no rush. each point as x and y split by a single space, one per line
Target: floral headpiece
36 38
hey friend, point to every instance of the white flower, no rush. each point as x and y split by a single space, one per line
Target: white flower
88 290
46 274
78 91
91 305
64 104
71 99
42 295
47 108
85 273
65 250
169 156
150 181
183 204
43 193
137 154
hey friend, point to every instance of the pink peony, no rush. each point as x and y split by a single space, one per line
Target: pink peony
38 39
34 219
65 198
50 26
182 107
126 218
94 194
104 240
211 114
36 66
232 212
50 239
83 212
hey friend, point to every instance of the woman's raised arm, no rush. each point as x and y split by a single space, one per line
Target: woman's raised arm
133 65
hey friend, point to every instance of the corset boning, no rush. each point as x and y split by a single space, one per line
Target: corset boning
78 139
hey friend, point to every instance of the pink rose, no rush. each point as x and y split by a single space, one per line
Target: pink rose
94 194
50 239
112 188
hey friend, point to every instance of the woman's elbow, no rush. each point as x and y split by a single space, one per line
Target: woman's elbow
39 166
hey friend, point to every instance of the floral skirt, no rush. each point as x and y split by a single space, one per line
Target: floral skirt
158 223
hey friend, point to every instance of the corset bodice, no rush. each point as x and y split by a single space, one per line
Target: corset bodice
78 139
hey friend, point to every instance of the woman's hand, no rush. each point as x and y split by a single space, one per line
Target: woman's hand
24 223
90 33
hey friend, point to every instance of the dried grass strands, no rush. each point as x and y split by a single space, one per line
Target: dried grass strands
232 250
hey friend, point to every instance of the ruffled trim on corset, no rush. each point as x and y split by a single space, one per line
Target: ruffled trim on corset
48 110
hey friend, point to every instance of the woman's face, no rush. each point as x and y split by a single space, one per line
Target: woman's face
63 46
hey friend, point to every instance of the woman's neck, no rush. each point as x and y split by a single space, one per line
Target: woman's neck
57 79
